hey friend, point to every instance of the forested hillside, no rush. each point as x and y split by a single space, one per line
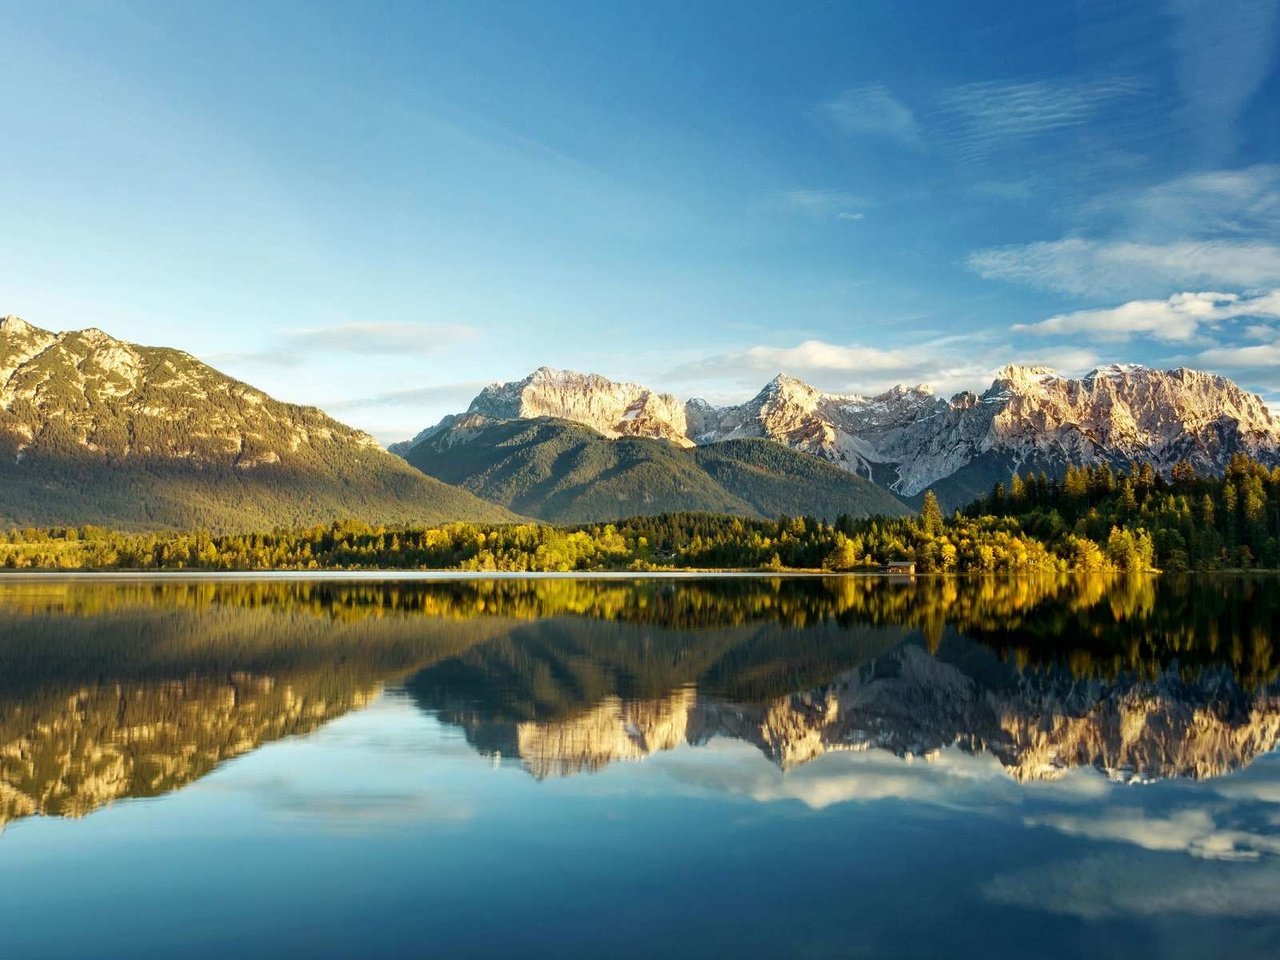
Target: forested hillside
563 472
1191 521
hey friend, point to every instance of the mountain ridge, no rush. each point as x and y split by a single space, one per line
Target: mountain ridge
95 430
909 439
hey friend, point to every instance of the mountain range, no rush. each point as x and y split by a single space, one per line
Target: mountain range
95 430
910 703
908 439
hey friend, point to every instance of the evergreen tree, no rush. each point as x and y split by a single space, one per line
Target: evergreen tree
931 515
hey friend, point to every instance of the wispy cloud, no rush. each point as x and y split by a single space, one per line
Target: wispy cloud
1010 190
1225 50
380 338
871 110
825 203
1210 204
975 122
458 394
1083 266
295 347
980 118
1178 318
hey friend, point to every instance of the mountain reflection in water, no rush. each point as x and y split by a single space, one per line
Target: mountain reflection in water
112 689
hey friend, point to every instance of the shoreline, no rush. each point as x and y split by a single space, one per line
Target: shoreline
427 576
422 575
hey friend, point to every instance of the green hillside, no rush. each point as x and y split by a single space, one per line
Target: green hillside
43 492
566 473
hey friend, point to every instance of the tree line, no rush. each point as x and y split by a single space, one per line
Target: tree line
1186 521
1089 519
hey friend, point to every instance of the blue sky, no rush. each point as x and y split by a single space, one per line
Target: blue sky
379 207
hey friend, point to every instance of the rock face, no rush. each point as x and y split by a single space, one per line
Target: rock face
91 391
613 730
908 439
97 430
1038 725
106 742
611 409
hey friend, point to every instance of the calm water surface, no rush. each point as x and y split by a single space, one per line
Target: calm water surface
572 768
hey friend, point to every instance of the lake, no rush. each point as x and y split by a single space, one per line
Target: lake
676 767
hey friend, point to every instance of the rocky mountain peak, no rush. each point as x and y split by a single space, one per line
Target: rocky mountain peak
19 342
12 326
1121 371
903 391
615 409
1038 725
785 389
782 383
1017 375
908 439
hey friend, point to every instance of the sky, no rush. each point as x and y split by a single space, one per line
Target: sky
378 208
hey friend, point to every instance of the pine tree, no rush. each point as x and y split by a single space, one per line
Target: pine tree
1017 489
931 514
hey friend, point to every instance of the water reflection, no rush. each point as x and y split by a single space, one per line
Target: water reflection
136 688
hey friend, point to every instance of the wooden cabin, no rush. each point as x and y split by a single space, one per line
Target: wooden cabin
902 568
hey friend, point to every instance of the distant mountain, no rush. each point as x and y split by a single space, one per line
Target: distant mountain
564 697
564 472
909 440
94 430
611 409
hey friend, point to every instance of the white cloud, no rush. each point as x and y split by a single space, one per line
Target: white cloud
1178 318
1256 357
946 364
1081 266
1191 831
1259 784
1128 886
831 366
952 778
872 110
1213 229
819 355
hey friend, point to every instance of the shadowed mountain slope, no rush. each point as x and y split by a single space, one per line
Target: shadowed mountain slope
566 473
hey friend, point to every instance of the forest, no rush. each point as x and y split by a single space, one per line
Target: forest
1089 519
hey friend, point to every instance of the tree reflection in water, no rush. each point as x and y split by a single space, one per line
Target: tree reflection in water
114 689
